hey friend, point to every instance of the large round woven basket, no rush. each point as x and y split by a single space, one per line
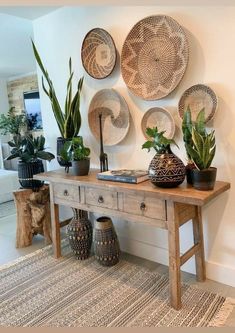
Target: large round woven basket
98 53
115 116
154 57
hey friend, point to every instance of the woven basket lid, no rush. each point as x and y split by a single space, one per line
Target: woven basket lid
160 118
154 57
115 116
198 97
98 53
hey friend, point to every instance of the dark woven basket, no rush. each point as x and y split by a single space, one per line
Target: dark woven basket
79 232
106 244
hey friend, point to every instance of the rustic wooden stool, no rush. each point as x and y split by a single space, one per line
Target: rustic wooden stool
33 215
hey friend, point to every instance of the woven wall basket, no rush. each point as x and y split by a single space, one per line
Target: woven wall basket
154 57
160 118
198 97
98 53
115 116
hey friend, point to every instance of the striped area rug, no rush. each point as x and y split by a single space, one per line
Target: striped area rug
38 290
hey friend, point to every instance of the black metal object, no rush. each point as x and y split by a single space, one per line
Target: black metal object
103 155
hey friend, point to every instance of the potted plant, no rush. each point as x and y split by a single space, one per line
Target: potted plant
165 169
202 151
68 118
187 125
12 123
30 152
74 151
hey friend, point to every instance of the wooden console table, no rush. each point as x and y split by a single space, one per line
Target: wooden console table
163 208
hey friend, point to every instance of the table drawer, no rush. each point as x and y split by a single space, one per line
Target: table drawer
66 192
101 198
145 205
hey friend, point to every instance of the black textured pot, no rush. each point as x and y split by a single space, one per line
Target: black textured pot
189 172
166 169
204 180
81 168
79 232
26 172
106 245
60 142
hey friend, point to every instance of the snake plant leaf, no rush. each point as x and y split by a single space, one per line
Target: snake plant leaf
211 156
200 122
197 140
196 158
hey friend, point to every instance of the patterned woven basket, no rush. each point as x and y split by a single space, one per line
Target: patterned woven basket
106 244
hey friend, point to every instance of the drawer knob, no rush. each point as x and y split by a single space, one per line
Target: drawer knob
100 199
66 193
142 206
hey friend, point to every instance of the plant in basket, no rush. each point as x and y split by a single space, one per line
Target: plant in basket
165 169
31 152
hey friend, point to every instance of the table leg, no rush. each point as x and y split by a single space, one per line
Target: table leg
55 226
198 238
174 256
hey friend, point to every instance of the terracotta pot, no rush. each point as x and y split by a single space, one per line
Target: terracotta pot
79 232
81 168
166 169
204 180
106 245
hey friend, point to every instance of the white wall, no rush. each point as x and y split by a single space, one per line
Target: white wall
211 33
4 106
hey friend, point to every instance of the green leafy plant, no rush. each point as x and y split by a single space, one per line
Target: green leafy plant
74 150
159 142
203 147
187 125
29 149
12 123
69 121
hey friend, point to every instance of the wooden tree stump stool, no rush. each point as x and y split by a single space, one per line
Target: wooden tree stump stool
33 215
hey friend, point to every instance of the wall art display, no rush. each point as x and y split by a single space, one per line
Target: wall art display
115 118
160 118
98 53
198 97
154 57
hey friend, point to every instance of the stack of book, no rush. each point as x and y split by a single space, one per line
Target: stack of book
124 176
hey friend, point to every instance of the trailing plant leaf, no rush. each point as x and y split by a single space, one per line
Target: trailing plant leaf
160 143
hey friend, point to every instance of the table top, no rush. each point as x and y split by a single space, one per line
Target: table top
184 193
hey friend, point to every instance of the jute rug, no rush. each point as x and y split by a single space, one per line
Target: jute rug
38 290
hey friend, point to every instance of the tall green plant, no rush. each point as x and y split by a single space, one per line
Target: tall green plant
12 123
202 150
69 121
187 125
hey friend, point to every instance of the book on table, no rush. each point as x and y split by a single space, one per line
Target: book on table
124 176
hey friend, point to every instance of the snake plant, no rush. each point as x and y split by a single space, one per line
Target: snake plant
187 125
202 150
69 121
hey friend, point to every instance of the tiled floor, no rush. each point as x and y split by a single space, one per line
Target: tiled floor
8 252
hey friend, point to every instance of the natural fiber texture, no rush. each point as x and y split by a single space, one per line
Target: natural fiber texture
115 116
39 290
160 118
198 97
154 57
98 53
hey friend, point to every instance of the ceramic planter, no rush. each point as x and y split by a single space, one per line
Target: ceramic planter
81 168
60 142
166 169
189 172
204 180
